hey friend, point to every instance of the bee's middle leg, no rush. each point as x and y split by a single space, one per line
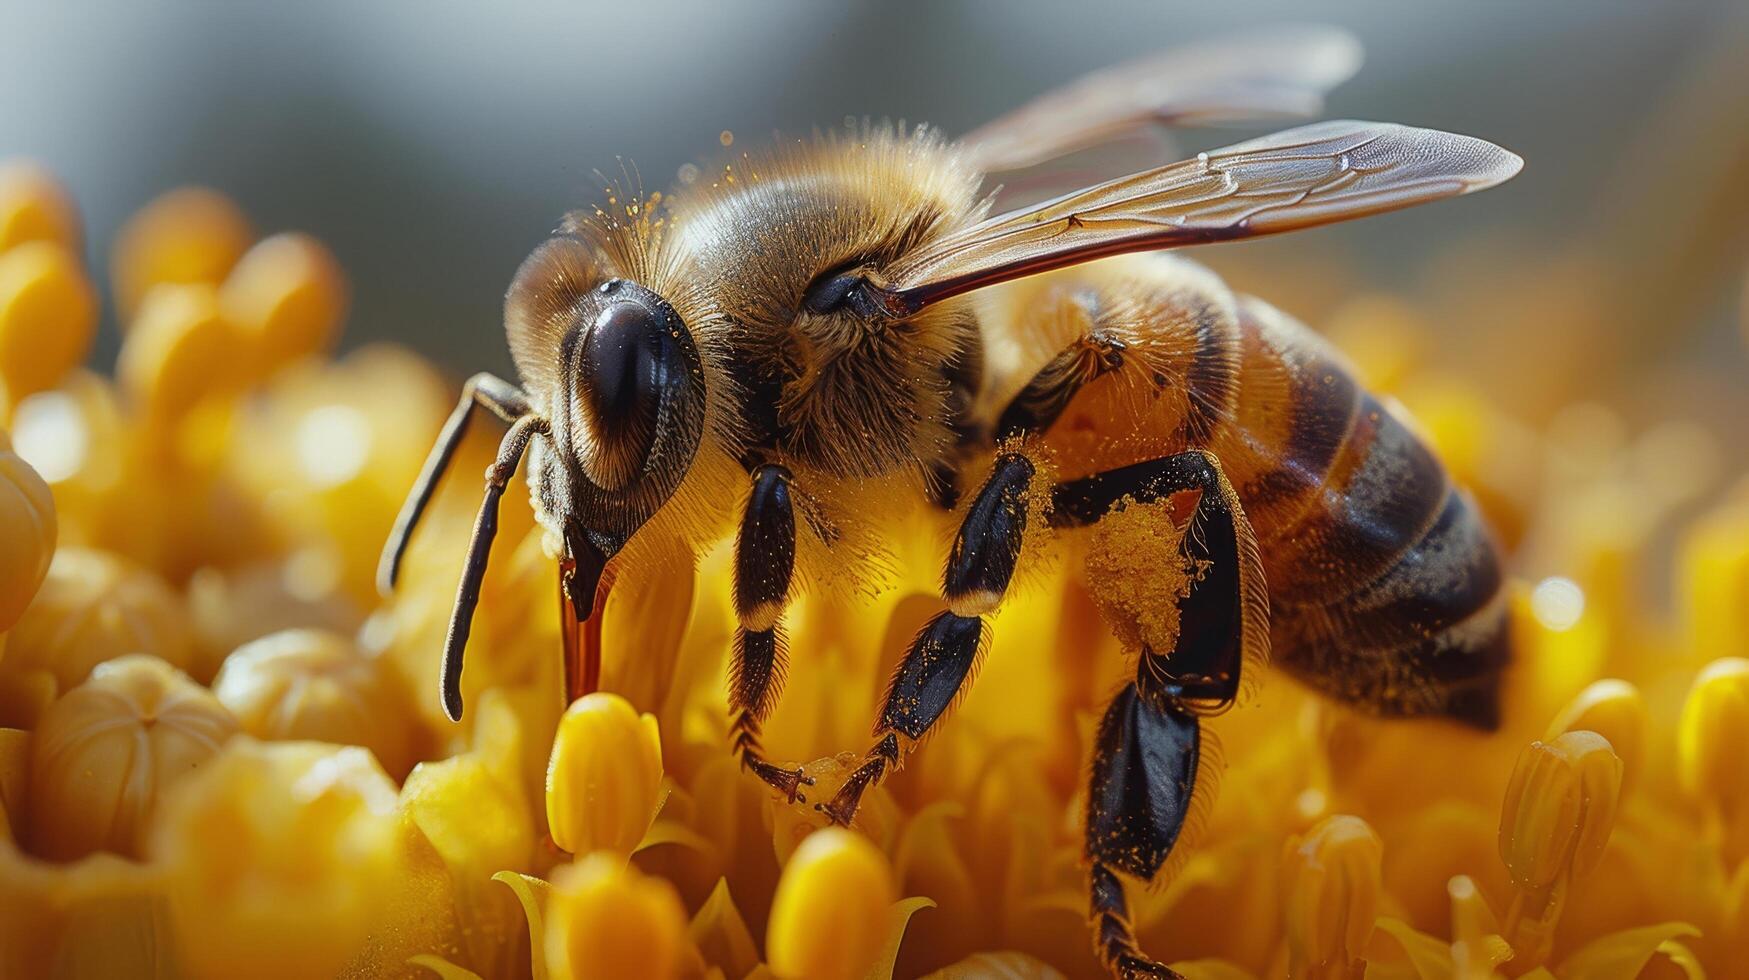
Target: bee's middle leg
937 669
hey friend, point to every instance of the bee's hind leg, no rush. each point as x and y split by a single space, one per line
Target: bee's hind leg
1149 750
1145 763
938 668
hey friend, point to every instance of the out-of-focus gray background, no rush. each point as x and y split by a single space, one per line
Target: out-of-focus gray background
431 145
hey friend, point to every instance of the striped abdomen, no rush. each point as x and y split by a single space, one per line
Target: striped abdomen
1384 586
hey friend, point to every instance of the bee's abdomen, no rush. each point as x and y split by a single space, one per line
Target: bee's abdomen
1385 586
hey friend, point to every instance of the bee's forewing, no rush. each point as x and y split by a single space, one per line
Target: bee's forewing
1311 175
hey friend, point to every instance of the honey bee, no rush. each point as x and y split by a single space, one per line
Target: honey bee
826 334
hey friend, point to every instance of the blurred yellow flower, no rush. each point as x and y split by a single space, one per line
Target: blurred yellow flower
1331 885
189 235
317 686
92 607
606 921
27 525
287 297
1711 742
279 859
35 207
180 351
48 315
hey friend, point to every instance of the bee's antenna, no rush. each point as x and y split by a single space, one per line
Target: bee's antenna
467 594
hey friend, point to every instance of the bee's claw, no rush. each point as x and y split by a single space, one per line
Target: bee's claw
789 782
837 811
843 806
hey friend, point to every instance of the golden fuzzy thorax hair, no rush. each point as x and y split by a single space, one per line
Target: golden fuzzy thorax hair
840 395
856 406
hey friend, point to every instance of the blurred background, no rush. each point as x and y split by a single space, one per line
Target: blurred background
431 146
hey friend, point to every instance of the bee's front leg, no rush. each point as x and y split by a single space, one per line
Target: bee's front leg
937 669
765 559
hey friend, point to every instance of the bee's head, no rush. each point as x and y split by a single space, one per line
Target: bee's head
618 376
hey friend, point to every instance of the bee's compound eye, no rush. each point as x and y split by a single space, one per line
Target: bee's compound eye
622 362
628 366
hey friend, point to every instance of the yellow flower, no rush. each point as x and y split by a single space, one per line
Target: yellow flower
92 607
606 921
48 312
308 684
108 752
225 500
1712 734
287 296
189 235
180 351
1331 885
35 207
1558 814
829 914
279 859
1616 710
1712 589
27 525
465 819
604 778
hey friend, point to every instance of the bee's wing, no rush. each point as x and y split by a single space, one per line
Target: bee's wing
1275 74
1312 175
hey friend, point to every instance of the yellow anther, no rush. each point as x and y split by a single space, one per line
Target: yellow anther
604 777
35 207
280 860
48 313
105 755
1711 739
1616 710
316 685
1557 817
1330 896
27 525
287 296
189 235
93 606
1559 809
829 915
607 921
180 351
